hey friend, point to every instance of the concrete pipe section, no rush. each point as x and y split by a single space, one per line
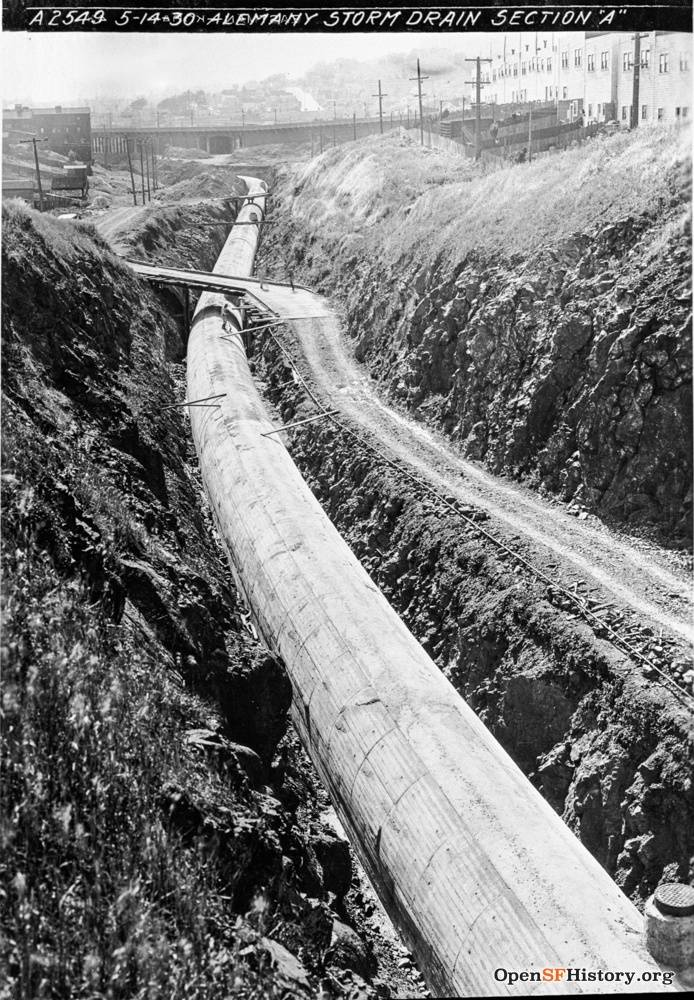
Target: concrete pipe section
489 888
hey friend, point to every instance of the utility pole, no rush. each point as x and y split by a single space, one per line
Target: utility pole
132 175
155 180
380 97
38 173
477 83
419 79
34 140
637 81
149 190
142 173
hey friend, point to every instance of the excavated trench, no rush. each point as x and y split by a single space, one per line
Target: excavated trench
607 748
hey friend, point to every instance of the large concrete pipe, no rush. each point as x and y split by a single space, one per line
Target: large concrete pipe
474 867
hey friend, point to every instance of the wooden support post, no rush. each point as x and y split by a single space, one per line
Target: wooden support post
142 172
149 190
38 174
132 175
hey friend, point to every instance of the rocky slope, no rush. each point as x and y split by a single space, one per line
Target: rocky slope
161 828
540 315
611 751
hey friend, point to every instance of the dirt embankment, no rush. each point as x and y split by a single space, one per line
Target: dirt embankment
167 830
541 316
609 750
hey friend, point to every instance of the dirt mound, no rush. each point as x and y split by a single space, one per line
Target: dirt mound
183 153
202 185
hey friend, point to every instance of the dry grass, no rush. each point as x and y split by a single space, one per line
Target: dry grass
440 203
103 896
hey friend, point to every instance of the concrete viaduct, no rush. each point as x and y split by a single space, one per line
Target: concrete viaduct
219 138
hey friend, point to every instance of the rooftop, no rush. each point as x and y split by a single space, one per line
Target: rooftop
20 112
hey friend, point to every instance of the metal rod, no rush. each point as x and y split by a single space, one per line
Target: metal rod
298 423
192 402
275 322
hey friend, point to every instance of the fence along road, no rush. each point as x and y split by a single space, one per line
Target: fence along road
473 866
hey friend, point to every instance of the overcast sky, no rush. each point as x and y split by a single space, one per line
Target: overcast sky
58 67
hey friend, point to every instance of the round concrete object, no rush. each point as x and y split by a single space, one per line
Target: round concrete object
669 939
675 898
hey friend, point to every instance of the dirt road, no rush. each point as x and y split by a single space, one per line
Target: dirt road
633 575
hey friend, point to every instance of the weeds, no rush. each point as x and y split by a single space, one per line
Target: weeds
101 894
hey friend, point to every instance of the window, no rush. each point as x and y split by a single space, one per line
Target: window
677 112
578 57
515 71
685 112
628 61
661 114
565 60
549 64
664 62
591 62
645 58
565 93
604 60
684 61
590 110
624 113
599 111
522 69
644 112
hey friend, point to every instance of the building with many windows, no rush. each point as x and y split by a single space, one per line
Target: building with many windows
594 72
65 130
665 77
